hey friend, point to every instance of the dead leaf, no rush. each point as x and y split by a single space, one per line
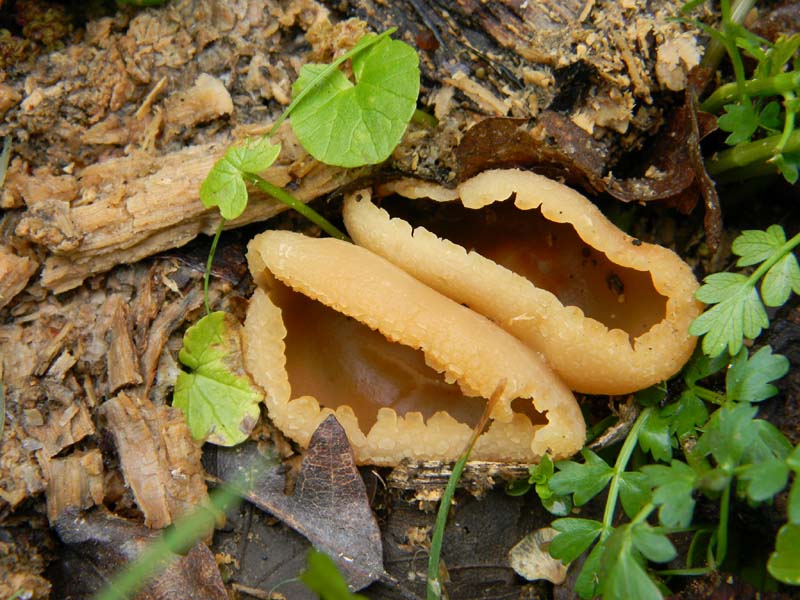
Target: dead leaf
98 544
329 505
531 558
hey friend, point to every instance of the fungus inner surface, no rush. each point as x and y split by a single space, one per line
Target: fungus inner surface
550 255
341 361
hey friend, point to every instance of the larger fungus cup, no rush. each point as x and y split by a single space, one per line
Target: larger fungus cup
334 328
608 312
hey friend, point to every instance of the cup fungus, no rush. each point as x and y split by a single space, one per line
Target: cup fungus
608 312
334 328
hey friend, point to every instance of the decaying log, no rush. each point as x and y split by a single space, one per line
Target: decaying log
14 274
75 481
160 461
64 427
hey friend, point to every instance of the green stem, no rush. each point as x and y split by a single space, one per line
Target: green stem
209 262
434 585
733 15
751 154
619 468
763 86
686 572
309 213
325 73
722 530
708 395
788 122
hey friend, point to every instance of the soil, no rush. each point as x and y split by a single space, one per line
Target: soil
116 114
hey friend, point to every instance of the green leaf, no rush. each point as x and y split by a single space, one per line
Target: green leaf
780 281
793 460
794 501
353 125
720 286
634 492
518 487
653 546
740 120
656 439
728 434
323 578
702 366
748 379
220 403
789 165
652 395
768 443
624 575
727 323
770 117
588 583
575 536
685 415
585 480
225 186
673 485
755 246
784 563
765 479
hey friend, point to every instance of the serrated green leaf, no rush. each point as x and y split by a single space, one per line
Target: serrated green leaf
748 379
323 578
720 286
726 324
673 485
574 537
702 366
779 282
656 439
653 546
789 166
685 415
583 481
728 434
224 185
352 125
755 246
623 574
652 395
784 563
765 479
634 492
740 120
588 584
770 116
220 403
768 443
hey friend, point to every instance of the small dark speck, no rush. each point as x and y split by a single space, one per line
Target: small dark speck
586 252
615 284
636 242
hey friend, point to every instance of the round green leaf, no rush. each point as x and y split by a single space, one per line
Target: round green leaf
350 125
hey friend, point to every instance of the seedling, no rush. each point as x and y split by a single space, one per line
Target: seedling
738 309
337 122
758 112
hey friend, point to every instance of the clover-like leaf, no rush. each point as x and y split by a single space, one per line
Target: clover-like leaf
765 479
217 396
351 125
225 187
673 485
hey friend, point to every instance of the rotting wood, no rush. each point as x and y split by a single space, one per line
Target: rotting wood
160 461
123 366
63 428
75 481
15 271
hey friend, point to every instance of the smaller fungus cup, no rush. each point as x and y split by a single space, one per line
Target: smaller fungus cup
608 312
334 328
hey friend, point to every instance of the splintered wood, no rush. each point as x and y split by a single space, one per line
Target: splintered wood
14 274
160 461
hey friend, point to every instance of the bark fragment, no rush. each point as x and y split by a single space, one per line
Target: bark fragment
122 361
160 461
75 481
14 274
